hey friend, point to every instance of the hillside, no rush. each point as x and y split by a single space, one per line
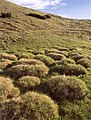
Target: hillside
21 32
45 65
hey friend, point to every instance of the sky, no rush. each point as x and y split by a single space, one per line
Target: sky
77 9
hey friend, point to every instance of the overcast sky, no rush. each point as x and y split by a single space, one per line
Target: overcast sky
67 8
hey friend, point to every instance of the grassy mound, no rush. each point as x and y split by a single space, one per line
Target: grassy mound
69 69
77 57
46 59
7 90
30 106
26 55
27 82
24 61
62 88
4 63
84 62
52 51
65 61
56 56
61 48
8 56
24 70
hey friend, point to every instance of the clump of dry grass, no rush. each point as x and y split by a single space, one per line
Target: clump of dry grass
7 90
8 56
23 70
56 56
26 55
69 69
4 63
27 83
30 106
46 59
62 88
84 62
65 61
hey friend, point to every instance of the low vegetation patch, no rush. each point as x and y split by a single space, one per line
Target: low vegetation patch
39 16
8 56
27 83
4 63
65 61
52 51
56 56
30 106
7 89
46 59
5 14
77 110
61 48
77 57
84 62
69 69
26 55
28 62
23 70
62 88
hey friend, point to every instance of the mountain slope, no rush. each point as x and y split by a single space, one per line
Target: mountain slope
21 32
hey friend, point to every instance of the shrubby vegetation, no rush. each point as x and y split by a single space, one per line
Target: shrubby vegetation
8 56
65 61
30 106
77 110
24 61
7 89
84 62
46 59
69 69
62 88
23 70
61 48
56 56
24 55
5 14
27 83
62 74
4 63
39 16
27 36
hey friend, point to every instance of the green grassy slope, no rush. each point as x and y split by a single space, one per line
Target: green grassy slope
21 32
50 56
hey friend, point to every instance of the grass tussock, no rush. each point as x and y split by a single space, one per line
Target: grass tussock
84 62
46 59
65 61
69 69
23 70
27 83
30 106
4 63
56 56
24 61
7 89
8 56
62 88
